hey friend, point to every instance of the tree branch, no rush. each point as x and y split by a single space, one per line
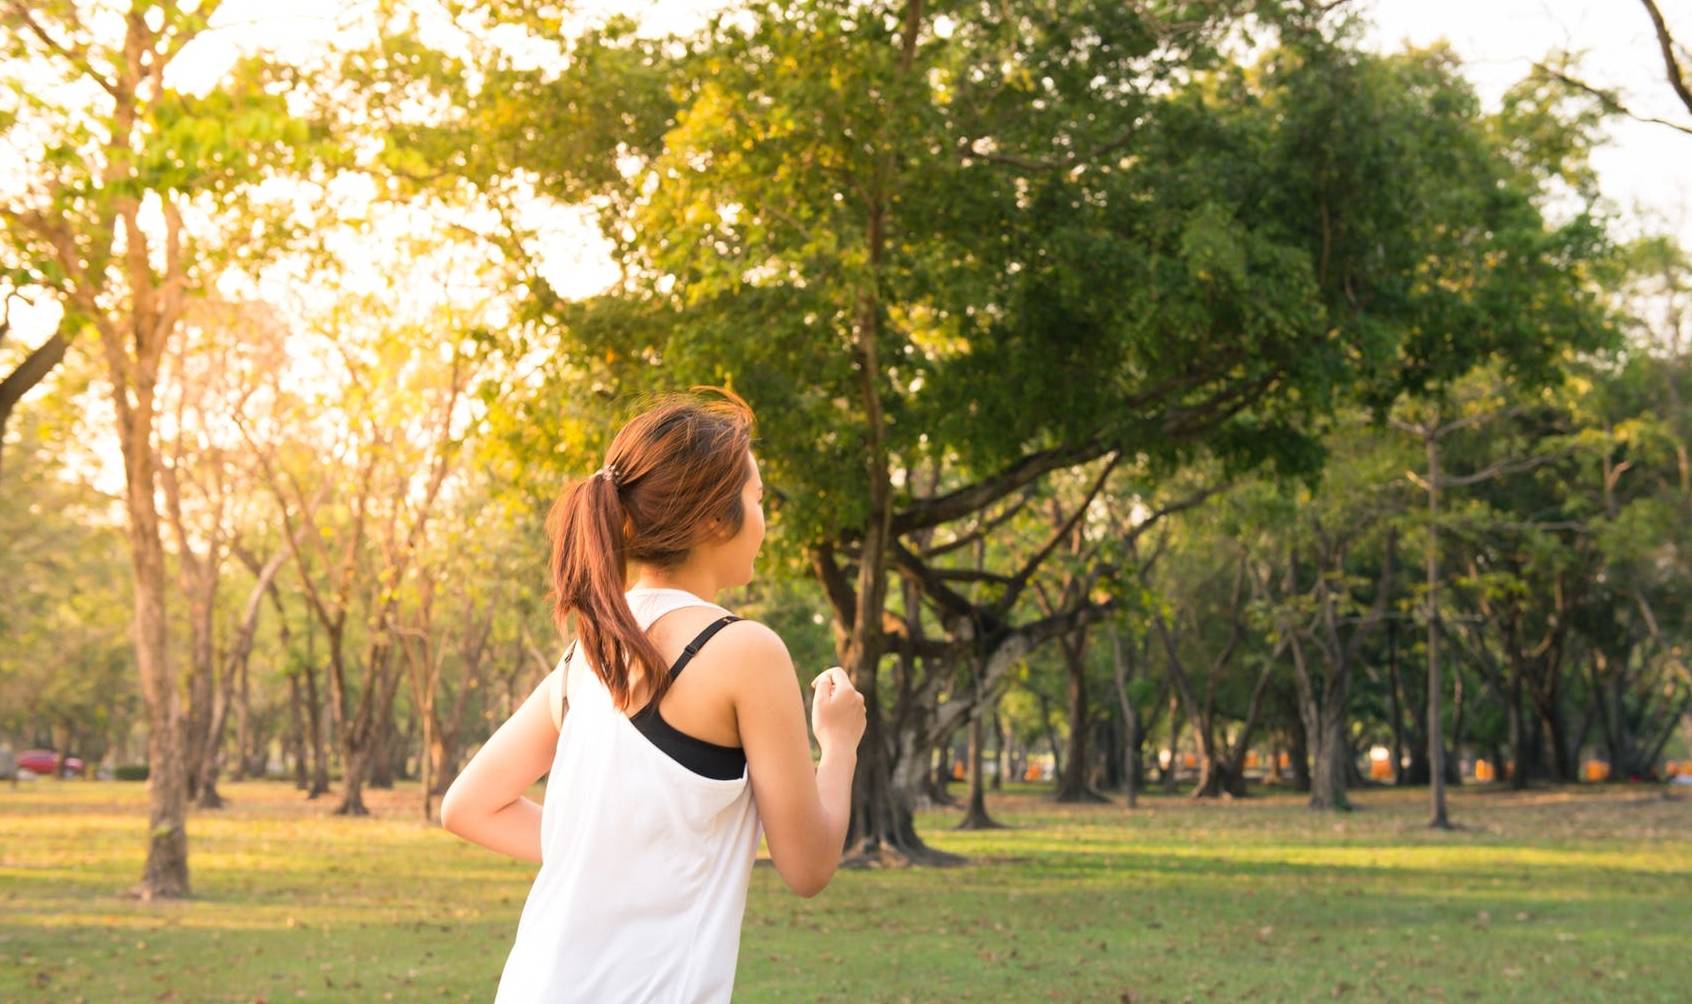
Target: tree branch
927 512
1609 99
1671 64
77 55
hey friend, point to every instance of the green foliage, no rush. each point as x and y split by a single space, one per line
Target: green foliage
66 664
1209 259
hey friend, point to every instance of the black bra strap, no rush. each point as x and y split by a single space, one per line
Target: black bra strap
692 648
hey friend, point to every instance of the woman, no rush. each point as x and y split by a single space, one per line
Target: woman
659 780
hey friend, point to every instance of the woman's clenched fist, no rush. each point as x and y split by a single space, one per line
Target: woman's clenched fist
837 710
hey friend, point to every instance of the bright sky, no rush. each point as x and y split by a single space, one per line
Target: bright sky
1644 169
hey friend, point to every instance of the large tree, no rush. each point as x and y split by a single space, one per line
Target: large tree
989 245
140 195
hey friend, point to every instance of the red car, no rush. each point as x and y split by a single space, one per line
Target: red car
45 762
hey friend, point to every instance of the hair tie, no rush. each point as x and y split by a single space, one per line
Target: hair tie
609 473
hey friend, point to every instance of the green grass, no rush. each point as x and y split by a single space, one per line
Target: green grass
1568 895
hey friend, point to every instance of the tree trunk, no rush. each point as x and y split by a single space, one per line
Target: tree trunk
1072 781
197 723
319 739
356 764
1436 741
975 814
1328 765
1131 731
882 829
1518 735
443 760
999 765
1322 724
882 826
1168 776
1556 739
1298 755
426 761
1397 708
1415 728
1454 756
382 753
243 727
361 737
165 871
1051 735
260 730
211 754
937 774
297 732
1213 780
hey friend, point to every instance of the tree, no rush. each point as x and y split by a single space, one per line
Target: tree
1470 305
355 521
142 193
1176 252
67 668
1323 546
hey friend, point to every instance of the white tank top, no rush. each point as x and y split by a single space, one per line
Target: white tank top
644 863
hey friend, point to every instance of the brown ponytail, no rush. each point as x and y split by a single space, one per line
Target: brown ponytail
672 477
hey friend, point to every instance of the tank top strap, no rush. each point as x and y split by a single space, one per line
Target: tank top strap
692 648
647 605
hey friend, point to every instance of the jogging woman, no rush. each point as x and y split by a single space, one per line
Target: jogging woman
671 731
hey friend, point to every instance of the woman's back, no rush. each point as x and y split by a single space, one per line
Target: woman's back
645 860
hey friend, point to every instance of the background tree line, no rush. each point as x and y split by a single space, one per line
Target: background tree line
1132 377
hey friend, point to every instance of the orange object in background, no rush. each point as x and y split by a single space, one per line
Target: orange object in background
1484 771
958 771
1286 761
1031 774
1251 760
1189 760
1380 770
1596 770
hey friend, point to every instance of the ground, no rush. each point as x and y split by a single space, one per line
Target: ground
1563 894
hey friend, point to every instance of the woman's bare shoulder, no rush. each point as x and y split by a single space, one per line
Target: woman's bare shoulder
754 639
754 660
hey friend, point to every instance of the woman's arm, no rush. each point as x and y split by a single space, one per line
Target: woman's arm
485 803
804 811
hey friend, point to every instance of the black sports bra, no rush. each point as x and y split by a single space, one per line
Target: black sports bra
724 763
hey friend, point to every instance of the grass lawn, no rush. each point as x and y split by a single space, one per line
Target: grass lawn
1565 895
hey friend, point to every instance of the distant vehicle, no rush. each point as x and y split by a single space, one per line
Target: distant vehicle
45 762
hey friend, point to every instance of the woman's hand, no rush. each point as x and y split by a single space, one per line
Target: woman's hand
837 710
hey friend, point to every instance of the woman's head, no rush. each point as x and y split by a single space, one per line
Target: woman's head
678 487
